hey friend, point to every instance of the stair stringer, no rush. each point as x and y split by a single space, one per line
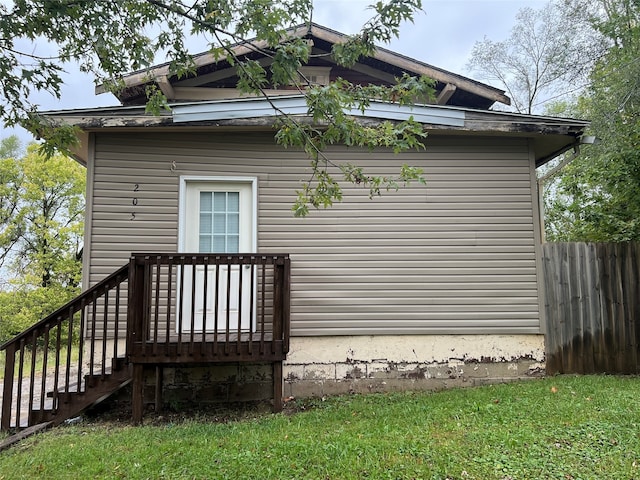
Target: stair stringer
72 404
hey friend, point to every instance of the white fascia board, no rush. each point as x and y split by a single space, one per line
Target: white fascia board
420 113
260 107
243 108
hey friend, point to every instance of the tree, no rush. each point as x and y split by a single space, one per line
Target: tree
41 237
548 54
10 183
110 38
597 197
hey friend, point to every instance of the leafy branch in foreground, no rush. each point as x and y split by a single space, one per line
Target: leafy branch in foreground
110 39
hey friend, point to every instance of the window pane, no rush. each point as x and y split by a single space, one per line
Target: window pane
219 201
233 224
219 223
205 223
233 244
233 202
205 201
205 244
219 244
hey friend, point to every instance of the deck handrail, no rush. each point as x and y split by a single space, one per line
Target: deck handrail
64 333
65 308
156 311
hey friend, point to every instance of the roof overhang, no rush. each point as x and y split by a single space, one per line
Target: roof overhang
209 65
550 136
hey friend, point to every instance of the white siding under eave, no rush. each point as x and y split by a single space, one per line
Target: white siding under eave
456 256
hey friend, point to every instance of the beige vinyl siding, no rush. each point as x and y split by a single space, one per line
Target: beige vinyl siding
456 256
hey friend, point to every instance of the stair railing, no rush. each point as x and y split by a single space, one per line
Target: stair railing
53 356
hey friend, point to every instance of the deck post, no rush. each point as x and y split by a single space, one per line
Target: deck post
278 279
277 386
286 304
7 391
137 397
132 306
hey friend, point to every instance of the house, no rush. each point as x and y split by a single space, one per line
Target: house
426 287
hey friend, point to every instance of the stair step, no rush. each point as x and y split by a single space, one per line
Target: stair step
39 416
117 365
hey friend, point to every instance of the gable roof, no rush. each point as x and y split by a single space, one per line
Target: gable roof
215 78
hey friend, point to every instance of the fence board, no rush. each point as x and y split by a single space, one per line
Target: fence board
592 304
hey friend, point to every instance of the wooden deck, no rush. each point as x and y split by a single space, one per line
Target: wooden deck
228 308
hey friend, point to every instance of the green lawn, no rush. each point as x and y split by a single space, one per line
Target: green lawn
560 428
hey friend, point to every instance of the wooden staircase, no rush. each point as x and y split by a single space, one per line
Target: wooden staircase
66 405
71 360
59 367
70 404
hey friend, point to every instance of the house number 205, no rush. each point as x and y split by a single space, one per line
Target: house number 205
134 200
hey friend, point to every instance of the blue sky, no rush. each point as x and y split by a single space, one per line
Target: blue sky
443 36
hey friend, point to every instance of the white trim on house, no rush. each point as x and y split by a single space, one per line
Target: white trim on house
297 105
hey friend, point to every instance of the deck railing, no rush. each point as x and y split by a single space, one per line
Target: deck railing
216 307
54 356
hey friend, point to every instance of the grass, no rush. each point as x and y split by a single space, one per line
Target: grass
560 428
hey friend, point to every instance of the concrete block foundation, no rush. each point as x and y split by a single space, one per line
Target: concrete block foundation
323 366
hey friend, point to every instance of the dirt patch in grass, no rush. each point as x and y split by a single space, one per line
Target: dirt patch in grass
117 411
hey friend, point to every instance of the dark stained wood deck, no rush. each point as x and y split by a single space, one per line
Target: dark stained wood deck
72 355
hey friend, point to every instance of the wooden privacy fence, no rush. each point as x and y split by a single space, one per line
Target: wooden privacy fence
592 303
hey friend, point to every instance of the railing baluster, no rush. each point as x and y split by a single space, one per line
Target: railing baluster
19 393
169 293
205 288
116 318
32 375
67 378
92 338
262 305
156 305
216 306
239 339
228 314
45 357
80 343
7 390
181 306
193 304
56 378
105 324
252 281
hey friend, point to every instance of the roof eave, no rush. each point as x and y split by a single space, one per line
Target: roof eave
162 72
552 135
